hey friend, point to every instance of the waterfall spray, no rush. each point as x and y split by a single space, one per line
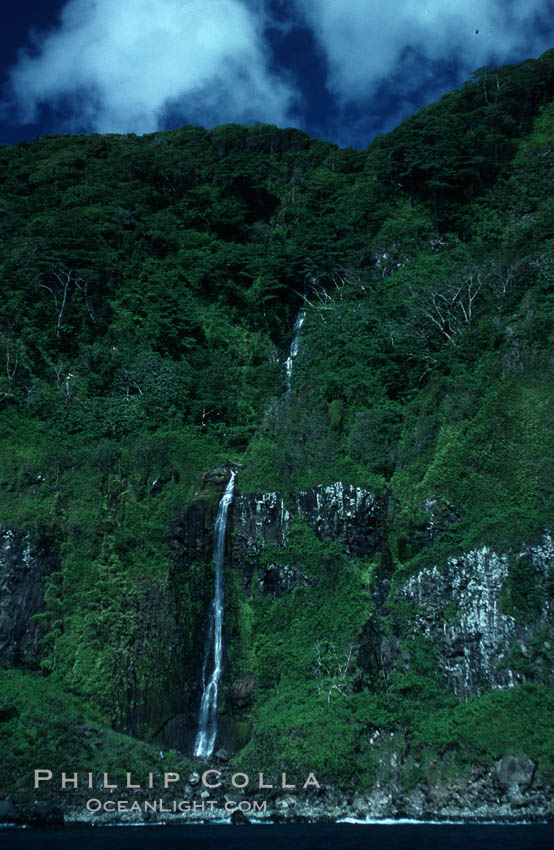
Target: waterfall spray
207 720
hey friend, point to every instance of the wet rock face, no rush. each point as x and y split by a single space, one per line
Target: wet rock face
335 512
23 567
196 536
459 609
191 534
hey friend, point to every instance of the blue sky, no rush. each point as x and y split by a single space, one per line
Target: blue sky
342 70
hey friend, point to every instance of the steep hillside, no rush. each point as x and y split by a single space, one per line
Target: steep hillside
389 588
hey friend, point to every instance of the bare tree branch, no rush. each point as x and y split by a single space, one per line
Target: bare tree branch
66 280
334 667
12 361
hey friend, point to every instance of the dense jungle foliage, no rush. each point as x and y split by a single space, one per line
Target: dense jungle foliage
148 295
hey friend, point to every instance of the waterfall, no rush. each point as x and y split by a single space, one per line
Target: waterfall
207 720
294 344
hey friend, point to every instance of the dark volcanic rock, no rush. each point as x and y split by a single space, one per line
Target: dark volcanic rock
23 566
8 812
243 691
335 512
195 530
217 477
256 519
197 534
45 814
177 539
515 773
343 512
238 818
179 731
277 579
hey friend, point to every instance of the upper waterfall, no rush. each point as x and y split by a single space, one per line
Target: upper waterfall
293 351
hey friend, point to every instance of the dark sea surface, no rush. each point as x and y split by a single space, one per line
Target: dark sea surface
287 837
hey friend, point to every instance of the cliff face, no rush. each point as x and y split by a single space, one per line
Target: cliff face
466 608
485 616
342 512
469 608
461 609
24 564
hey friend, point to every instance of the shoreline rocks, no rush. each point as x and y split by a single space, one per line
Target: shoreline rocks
509 791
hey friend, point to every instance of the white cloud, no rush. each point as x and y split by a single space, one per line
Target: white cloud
124 65
366 41
118 65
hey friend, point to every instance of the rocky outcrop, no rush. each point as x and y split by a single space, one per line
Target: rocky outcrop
440 515
214 479
337 511
510 791
515 774
191 533
198 541
242 691
277 579
343 512
38 815
24 563
459 608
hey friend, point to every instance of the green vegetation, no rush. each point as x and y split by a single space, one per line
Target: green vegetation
149 290
522 597
44 728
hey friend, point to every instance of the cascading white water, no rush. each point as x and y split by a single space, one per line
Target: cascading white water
207 721
294 344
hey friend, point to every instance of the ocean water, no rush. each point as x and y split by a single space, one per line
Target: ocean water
287 837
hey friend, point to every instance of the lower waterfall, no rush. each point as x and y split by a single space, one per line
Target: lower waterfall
207 720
